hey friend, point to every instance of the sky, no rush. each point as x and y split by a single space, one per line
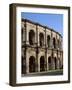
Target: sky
54 21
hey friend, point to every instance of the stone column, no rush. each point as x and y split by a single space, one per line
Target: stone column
58 63
38 37
53 63
57 60
27 68
27 37
61 59
51 43
27 62
36 59
36 48
56 41
38 63
45 60
51 40
47 64
27 33
61 43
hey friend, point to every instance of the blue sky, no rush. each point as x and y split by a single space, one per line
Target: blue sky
54 21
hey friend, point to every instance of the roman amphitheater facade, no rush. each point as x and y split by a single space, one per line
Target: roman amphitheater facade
41 48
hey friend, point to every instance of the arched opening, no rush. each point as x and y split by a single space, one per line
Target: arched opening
32 64
22 34
54 42
31 37
48 41
23 70
42 61
49 63
41 39
55 62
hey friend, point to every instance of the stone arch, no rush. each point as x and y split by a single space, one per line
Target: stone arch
54 42
49 63
48 40
32 64
42 62
41 39
31 37
55 62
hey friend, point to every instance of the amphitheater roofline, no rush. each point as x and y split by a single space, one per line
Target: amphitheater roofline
35 23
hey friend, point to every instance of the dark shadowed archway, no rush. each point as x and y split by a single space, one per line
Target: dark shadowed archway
41 39
23 61
55 62
54 42
31 37
48 40
42 62
49 63
32 64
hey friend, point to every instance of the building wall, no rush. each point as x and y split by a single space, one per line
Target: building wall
41 49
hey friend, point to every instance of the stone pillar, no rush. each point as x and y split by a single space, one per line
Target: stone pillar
36 66
35 42
38 63
61 59
27 68
36 48
61 43
38 37
36 59
27 33
26 54
45 60
27 37
27 63
56 41
51 43
58 63
53 63
51 40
